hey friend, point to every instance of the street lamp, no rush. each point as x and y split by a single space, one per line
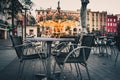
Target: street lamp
25 22
26 6
12 16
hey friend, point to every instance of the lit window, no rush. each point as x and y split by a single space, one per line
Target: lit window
31 32
111 20
108 30
114 30
114 24
111 24
114 20
108 24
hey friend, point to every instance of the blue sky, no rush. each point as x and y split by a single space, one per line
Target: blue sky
111 6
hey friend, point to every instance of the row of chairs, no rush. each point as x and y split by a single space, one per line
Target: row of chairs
104 46
107 46
76 53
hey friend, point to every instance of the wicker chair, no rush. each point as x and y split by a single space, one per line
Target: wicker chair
20 48
78 55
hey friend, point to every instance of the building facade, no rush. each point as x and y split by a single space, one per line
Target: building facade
112 24
6 16
46 14
4 19
96 21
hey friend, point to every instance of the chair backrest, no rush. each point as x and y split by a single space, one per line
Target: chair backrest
87 40
17 40
61 45
76 41
117 40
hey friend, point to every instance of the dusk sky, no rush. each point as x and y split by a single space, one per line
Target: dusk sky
111 6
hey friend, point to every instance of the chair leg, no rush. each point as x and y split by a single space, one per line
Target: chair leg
87 72
79 74
44 65
61 72
99 47
79 71
106 48
20 70
54 68
113 51
71 66
116 58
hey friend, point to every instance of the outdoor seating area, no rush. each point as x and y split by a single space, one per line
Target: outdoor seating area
42 41
75 59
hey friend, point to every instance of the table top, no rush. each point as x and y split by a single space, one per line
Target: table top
50 39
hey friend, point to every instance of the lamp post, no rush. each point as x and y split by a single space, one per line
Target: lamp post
26 6
25 22
12 1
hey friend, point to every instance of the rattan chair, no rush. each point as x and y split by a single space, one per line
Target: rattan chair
78 55
20 48
62 46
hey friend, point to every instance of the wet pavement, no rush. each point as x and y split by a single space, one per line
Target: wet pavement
7 53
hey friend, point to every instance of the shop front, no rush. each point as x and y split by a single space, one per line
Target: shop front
3 33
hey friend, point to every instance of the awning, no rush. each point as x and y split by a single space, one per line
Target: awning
3 29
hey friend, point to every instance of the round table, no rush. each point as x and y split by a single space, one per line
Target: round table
49 42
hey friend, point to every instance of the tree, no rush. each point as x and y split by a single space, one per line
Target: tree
27 3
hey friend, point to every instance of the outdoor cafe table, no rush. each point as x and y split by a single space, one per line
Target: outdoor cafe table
49 42
105 44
